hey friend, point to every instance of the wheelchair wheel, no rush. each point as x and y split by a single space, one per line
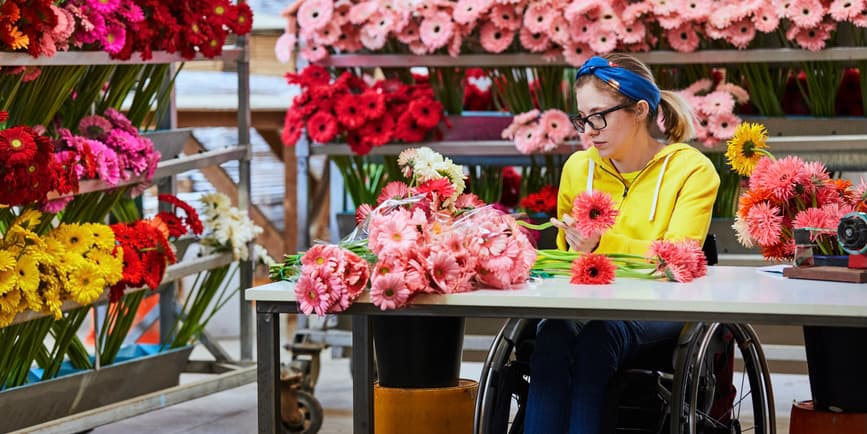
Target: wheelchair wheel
706 404
310 418
504 380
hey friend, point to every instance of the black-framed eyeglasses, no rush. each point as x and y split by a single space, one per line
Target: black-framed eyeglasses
595 120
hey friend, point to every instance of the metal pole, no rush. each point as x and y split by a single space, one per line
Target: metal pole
169 185
244 199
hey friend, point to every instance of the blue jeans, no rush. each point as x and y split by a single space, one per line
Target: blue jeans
572 364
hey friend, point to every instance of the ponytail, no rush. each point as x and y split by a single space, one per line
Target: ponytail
676 117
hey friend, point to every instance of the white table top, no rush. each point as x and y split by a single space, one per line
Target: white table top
733 294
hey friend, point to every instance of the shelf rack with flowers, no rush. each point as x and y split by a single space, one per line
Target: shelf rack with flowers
228 373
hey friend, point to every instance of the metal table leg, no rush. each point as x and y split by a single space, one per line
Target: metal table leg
362 375
268 367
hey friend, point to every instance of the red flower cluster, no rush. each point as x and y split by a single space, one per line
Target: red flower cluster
177 225
478 98
146 254
368 116
26 24
543 201
185 27
30 169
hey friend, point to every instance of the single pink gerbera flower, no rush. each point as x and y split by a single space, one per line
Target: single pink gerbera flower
327 35
683 258
505 17
528 138
556 125
814 218
603 42
104 7
409 33
846 10
114 39
633 33
717 103
436 30
683 38
538 17
576 53
740 94
312 294
495 39
813 39
764 223
393 190
468 11
806 13
558 30
444 270
315 14
468 200
592 269
535 42
723 126
740 33
389 291
395 233
594 213
766 19
314 53
694 10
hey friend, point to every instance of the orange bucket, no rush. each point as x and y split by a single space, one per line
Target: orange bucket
807 420
442 410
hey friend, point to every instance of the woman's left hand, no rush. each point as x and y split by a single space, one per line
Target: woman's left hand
573 237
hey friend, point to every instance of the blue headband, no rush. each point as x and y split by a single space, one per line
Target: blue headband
625 81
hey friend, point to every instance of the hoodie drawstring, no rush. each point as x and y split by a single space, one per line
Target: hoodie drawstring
590 169
658 186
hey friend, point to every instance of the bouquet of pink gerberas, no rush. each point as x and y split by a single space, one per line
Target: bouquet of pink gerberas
424 236
594 213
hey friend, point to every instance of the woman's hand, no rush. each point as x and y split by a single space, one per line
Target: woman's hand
573 237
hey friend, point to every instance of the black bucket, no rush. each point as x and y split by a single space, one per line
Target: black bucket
837 364
418 352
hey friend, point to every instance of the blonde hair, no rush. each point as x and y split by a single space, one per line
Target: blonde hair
676 113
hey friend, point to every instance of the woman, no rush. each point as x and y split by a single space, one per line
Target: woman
664 190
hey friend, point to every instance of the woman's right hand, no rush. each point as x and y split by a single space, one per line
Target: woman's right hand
573 237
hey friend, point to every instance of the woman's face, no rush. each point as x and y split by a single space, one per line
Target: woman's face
615 139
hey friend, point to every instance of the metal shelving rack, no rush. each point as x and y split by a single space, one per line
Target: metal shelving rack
228 373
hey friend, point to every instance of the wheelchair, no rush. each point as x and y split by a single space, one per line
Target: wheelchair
697 390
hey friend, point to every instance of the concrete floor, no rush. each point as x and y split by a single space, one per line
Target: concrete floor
234 411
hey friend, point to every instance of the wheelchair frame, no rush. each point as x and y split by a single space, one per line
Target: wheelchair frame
690 386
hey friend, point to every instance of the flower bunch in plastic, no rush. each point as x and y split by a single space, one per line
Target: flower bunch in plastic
227 228
786 194
70 262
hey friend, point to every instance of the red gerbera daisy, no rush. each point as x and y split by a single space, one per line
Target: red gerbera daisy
357 143
408 129
436 189
372 104
322 127
349 113
593 212
176 226
426 111
192 216
378 132
17 145
292 125
244 21
593 269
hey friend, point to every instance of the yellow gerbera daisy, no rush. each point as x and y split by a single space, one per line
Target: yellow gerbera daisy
7 260
53 247
6 318
7 280
85 284
10 302
74 237
747 147
103 236
28 219
68 262
50 290
110 266
27 273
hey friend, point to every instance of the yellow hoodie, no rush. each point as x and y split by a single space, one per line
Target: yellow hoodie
671 198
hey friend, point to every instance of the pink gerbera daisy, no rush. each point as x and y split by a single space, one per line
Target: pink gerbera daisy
764 223
327 35
389 291
812 39
528 138
694 10
594 213
314 53
495 39
315 14
740 33
723 126
603 42
104 7
806 13
766 19
538 17
813 218
444 270
556 125
394 233
312 294
683 38
505 17
592 269
535 42
372 38
393 190
558 30
360 12
846 10
633 33
468 11
436 30
409 33
576 53
581 30
115 38
740 94
717 103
